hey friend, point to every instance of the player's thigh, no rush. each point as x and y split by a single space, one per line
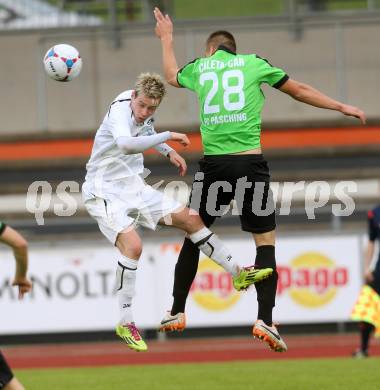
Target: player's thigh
198 204
214 199
257 216
213 188
253 195
256 206
111 218
185 219
157 208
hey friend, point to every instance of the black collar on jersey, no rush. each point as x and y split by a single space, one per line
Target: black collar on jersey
117 101
222 47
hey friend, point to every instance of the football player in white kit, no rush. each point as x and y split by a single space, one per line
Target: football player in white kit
116 195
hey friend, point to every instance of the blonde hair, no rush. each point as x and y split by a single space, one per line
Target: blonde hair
151 85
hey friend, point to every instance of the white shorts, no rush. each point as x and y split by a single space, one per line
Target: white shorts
127 203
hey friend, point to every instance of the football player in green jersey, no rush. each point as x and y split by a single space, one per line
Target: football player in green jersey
228 86
19 246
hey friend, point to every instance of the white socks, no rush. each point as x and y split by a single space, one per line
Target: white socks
210 244
125 285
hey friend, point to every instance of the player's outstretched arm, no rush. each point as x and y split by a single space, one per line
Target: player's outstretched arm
20 250
133 145
309 95
164 31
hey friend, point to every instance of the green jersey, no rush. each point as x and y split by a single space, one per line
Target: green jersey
228 86
2 227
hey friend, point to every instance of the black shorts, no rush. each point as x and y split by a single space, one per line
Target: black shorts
6 374
375 284
244 178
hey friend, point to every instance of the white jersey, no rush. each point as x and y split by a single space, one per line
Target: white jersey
108 162
114 193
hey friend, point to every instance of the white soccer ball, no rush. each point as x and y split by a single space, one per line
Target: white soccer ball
62 62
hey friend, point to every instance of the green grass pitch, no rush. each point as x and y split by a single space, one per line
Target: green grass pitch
310 374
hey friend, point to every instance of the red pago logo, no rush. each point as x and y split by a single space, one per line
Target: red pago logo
312 279
212 288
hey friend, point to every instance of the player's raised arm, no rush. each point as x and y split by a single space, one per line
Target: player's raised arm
164 31
309 95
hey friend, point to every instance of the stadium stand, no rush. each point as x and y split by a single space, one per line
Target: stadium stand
24 14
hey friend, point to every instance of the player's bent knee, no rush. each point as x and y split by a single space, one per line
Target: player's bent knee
134 250
193 223
130 247
21 245
187 220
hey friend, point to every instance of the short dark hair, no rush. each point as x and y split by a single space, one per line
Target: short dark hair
221 37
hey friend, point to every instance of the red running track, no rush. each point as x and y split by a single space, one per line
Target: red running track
180 351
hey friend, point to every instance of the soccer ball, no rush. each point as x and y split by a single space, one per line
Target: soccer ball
62 62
